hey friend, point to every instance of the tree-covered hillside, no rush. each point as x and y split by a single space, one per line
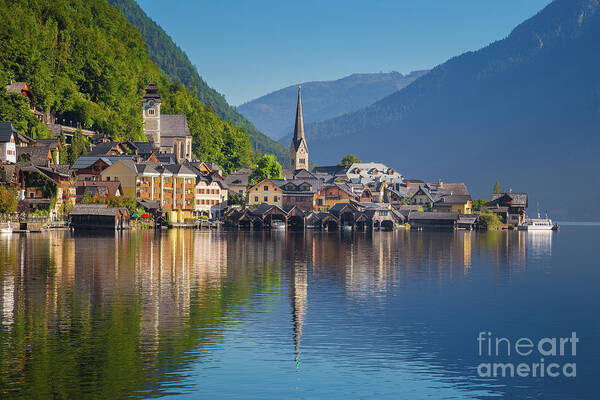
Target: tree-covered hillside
84 61
176 64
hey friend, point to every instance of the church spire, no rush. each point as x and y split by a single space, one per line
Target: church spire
299 148
299 127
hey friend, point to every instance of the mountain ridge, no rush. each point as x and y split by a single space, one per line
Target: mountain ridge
535 93
273 113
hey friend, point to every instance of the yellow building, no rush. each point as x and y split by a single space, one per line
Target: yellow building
172 186
330 195
265 192
460 204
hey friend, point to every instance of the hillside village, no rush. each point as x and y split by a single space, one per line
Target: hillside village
161 181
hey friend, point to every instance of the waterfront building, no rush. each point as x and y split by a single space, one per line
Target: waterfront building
509 206
97 189
98 216
266 192
210 196
422 197
455 203
331 194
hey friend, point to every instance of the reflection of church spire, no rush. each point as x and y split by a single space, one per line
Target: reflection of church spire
298 289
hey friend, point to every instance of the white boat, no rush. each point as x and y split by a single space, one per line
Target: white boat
537 224
278 225
5 228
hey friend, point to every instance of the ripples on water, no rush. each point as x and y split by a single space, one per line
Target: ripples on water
188 314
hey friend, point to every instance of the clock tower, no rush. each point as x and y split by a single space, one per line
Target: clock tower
299 148
151 112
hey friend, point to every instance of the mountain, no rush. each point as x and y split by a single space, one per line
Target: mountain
524 110
176 64
274 114
84 61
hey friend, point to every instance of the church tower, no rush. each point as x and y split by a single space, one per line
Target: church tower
151 112
299 148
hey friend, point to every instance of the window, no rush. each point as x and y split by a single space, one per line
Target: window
275 198
320 202
256 199
302 161
151 111
108 179
266 199
266 188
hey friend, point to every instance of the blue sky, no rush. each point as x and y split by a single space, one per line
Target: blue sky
247 48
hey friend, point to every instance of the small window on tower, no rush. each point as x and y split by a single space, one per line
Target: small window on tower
302 161
151 111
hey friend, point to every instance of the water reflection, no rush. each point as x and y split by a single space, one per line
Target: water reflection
136 313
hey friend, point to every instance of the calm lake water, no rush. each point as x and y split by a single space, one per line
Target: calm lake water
184 314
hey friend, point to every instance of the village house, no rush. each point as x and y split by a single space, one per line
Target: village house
509 206
266 192
454 203
45 187
422 197
237 182
299 193
210 196
331 194
8 146
97 189
89 168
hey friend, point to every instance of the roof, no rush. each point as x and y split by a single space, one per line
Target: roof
439 216
264 208
516 199
468 218
37 154
398 193
94 209
152 93
143 147
239 177
167 158
87 161
329 169
173 125
425 191
6 131
149 204
453 199
103 148
53 144
102 187
16 87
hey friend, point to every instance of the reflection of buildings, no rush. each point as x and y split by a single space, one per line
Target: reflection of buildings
298 291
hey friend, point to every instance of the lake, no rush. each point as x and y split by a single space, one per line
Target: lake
183 314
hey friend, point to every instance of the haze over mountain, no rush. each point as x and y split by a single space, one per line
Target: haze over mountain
176 64
274 113
524 110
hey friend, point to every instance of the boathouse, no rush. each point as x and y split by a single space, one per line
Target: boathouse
98 216
420 220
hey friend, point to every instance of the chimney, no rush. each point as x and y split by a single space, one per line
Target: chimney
440 183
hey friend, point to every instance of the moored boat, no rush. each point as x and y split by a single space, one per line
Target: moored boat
537 224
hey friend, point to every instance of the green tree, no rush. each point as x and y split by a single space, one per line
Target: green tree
497 187
267 168
8 200
78 147
349 159
478 203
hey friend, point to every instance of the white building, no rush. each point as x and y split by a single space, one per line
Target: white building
8 145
